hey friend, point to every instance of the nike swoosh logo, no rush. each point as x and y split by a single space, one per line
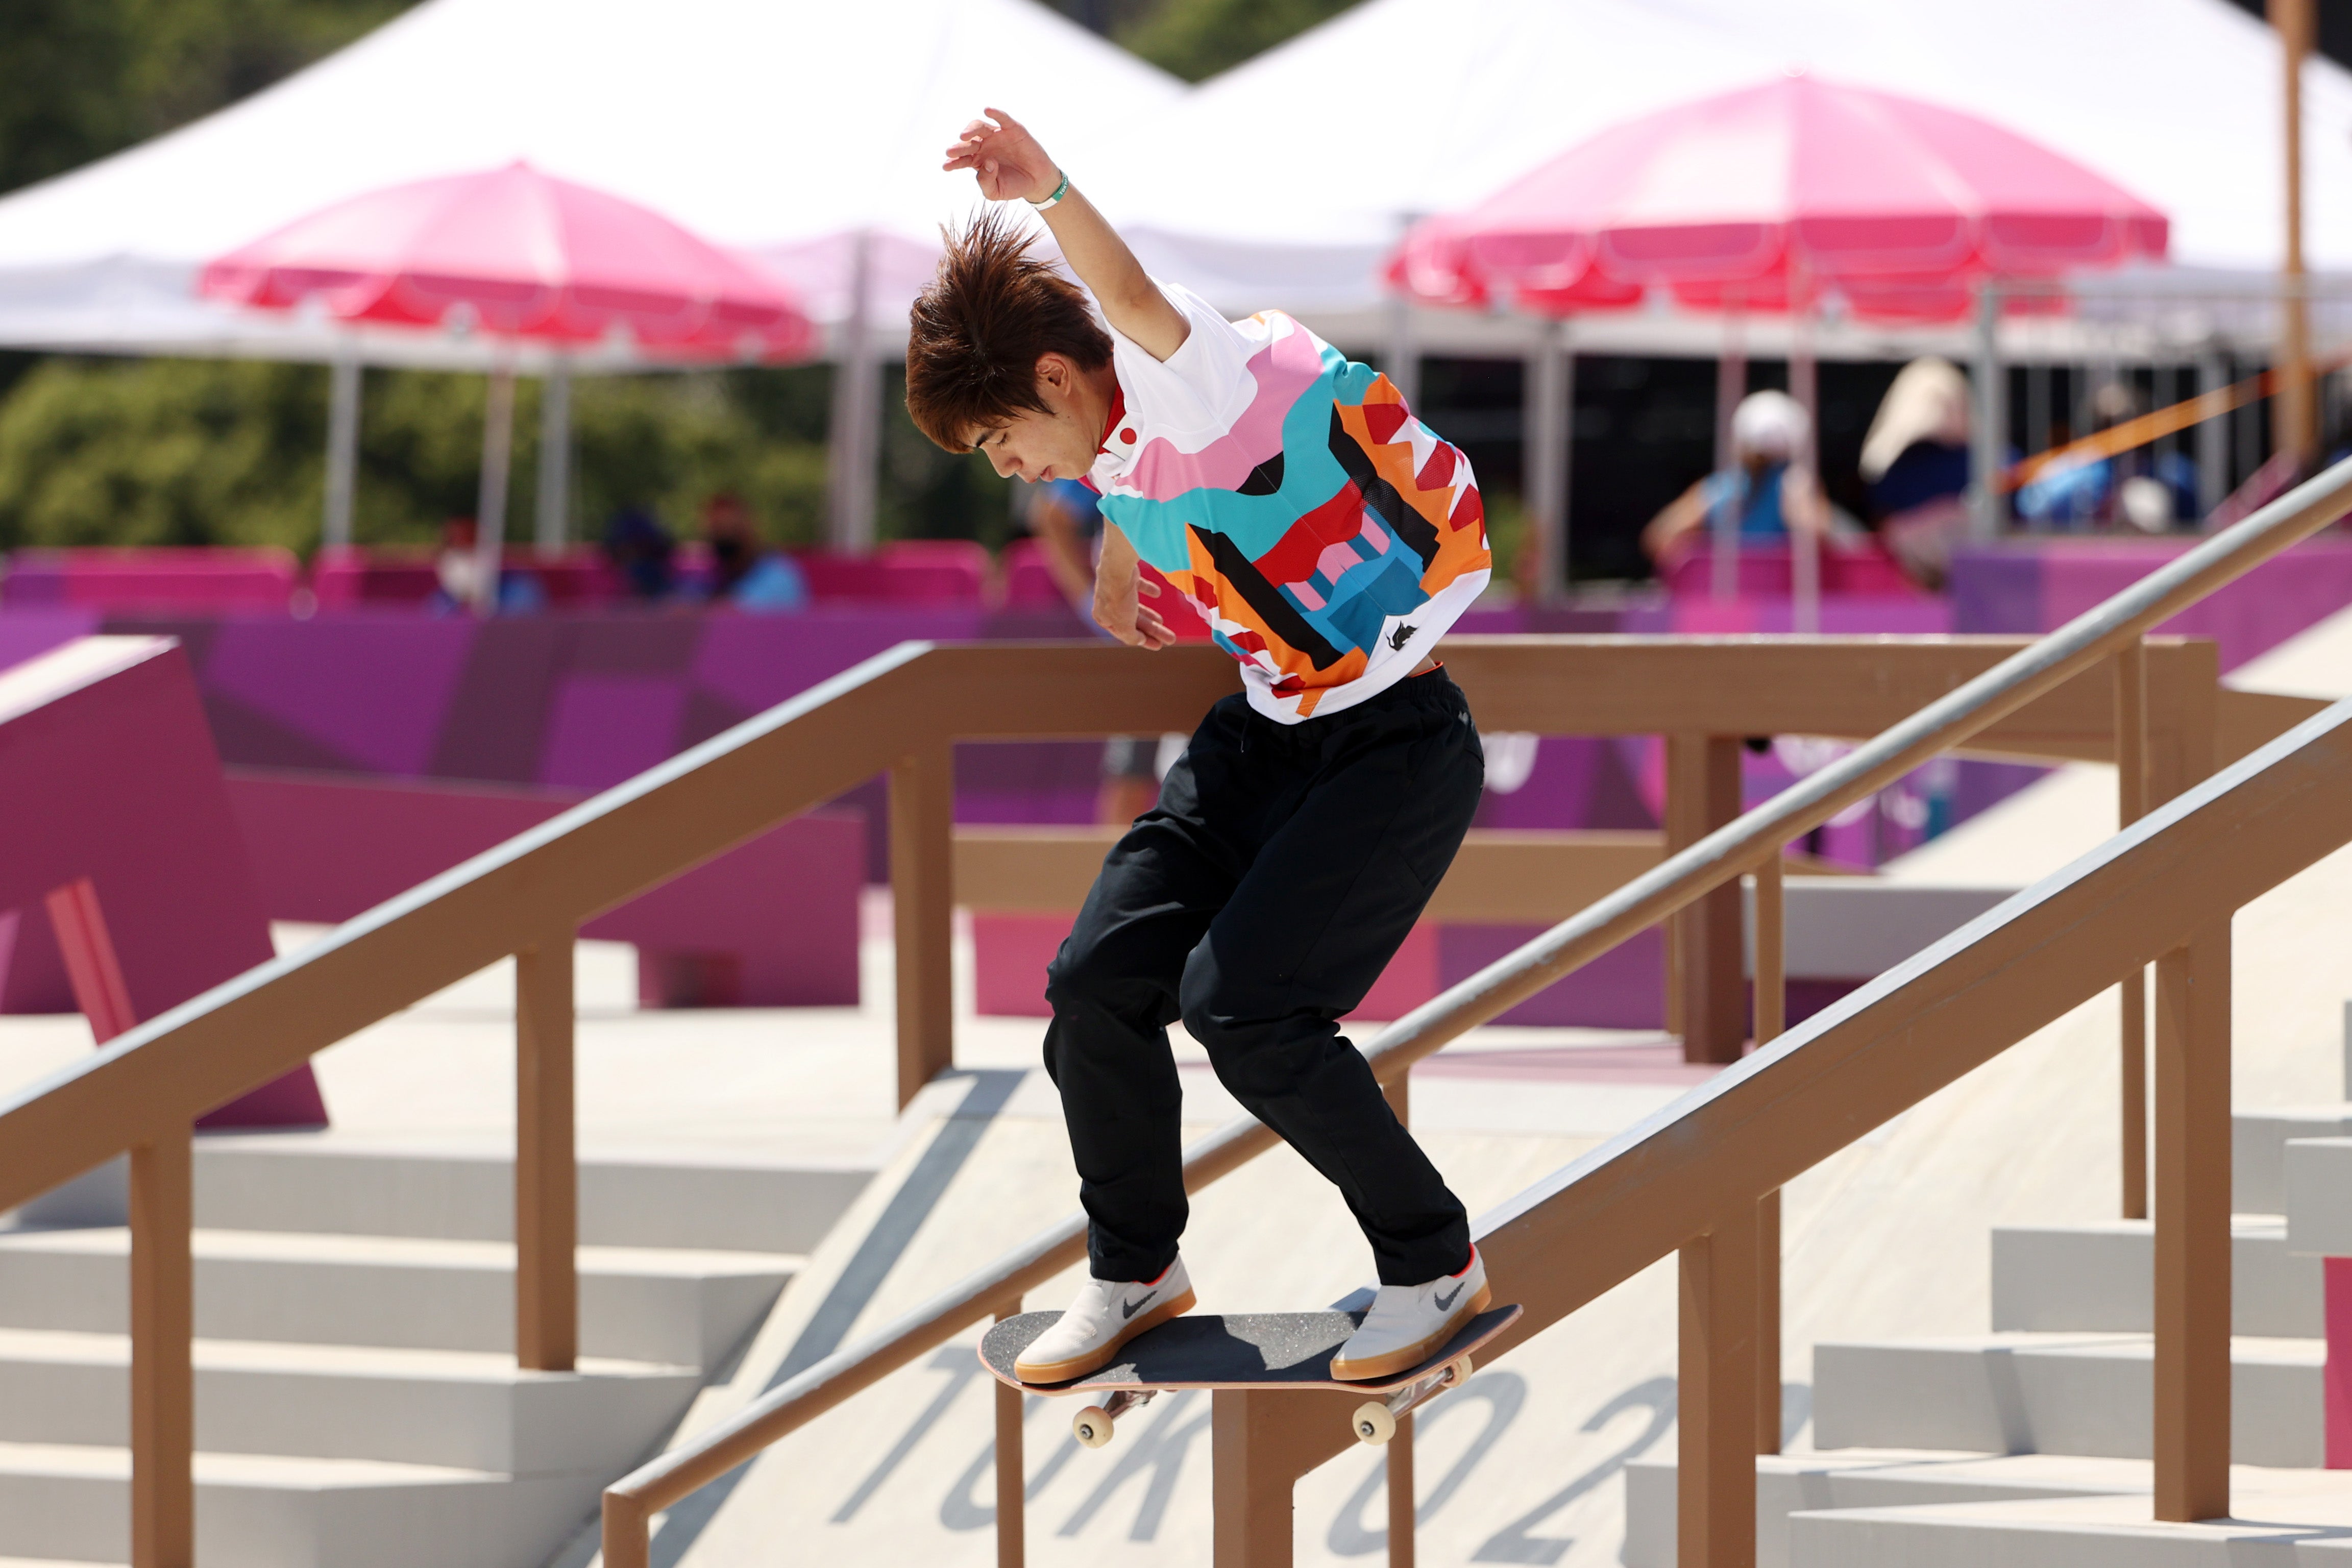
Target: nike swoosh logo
1128 1308
1445 1303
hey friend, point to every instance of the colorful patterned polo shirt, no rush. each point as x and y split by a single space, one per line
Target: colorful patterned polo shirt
1324 534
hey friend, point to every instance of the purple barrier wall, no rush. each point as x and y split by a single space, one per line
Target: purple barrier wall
108 778
771 923
2039 585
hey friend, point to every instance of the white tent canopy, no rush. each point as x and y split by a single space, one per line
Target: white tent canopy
1286 180
788 128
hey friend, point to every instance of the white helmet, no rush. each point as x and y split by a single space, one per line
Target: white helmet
1770 424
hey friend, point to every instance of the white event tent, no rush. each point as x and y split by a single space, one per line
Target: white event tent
785 127
1286 180
807 132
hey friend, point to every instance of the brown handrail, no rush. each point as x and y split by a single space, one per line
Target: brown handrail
1684 878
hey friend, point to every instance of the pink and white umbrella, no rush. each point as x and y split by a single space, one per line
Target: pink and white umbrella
1791 190
516 253
519 255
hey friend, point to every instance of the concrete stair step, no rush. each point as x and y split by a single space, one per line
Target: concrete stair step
1789 1484
72 1503
2081 1394
460 1409
2258 1141
2318 1209
327 1184
669 1306
2281 1519
2062 1278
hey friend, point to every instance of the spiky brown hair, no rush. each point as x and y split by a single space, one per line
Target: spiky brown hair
975 334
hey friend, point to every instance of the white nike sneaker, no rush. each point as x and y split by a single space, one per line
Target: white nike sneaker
1409 1323
1107 1314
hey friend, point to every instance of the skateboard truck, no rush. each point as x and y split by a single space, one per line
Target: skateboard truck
1375 1420
1092 1426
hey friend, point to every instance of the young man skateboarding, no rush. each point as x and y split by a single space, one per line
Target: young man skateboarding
1329 540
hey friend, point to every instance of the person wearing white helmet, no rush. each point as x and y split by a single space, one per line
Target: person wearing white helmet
1767 492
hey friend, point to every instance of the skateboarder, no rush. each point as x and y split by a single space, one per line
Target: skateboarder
1328 538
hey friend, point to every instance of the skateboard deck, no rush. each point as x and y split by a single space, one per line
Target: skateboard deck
1256 1349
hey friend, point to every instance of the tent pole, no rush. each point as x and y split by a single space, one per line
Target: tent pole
1546 437
851 448
1404 355
1990 418
556 457
342 448
1804 546
490 508
1730 387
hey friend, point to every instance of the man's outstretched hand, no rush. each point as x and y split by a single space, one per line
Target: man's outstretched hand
1119 585
1008 161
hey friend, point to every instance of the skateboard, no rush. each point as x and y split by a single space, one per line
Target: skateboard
1263 1350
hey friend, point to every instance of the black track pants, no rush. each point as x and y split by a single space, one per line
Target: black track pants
1258 902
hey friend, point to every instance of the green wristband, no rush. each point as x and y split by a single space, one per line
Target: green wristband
1059 192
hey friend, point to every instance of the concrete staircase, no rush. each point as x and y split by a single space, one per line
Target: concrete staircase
357 1401
2028 1445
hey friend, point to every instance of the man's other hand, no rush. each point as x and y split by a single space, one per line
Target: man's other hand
1007 160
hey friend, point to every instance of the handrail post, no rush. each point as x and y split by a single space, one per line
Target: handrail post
1714 1486
1011 1467
628 1531
2192 1228
922 851
1702 795
2131 804
1771 1017
547 1177
1404 1522
162 1378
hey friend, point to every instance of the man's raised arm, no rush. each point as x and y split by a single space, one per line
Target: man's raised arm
1008 163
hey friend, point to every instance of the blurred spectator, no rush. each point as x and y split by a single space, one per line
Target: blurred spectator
640 550
743 572
1766 493
1915 467
1068 524
456 569
456 573
1067 520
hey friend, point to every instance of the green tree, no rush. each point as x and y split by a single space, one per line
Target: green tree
81 79
1197 38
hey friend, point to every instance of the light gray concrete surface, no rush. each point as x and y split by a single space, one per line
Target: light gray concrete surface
2258 1143
2100 1277
1789 1484
2281 1520
1851 928
674 1308
72 1501
2088 1395
464 1410
2319 1198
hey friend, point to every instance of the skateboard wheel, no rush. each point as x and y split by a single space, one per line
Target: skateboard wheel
1373 1423
1091 1427
1461 1368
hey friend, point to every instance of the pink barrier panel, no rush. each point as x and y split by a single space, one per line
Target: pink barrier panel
206 578
1028 583
906 572
771 923
124 868
1766 571
347 577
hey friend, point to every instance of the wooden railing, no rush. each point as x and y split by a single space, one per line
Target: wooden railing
1702 1178
900 713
